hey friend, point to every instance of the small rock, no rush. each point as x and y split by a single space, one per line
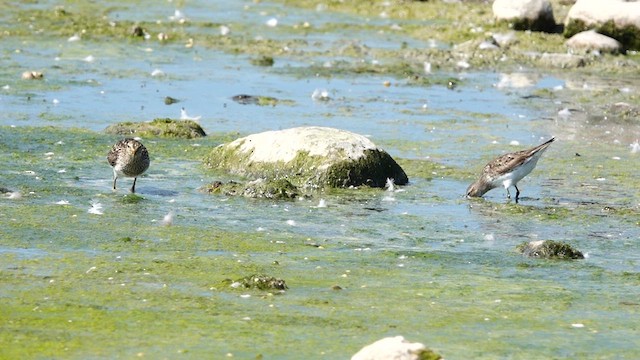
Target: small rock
262 61
168 100
536 15
591 40
32 75
245 99
261 282
186 129
395 348
137 31
563 61
549 249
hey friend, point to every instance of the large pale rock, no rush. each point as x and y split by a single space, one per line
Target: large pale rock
618 19
309 156
395 348
591 40
534 15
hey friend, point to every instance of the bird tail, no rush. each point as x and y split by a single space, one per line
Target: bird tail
542 147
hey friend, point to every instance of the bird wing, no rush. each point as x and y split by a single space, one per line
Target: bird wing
507 162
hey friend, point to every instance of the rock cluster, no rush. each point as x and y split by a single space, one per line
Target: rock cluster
606 26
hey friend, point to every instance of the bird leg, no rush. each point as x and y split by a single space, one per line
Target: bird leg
508 193
517 193
114 182
133 187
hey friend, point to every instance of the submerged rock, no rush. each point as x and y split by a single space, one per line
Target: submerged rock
395 348
309 156
260 282
279 189
618 19
186 129
549 249
534 15
564 61
591 40
245 99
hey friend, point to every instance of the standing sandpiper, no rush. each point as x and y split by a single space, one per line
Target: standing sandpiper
129 158
507 170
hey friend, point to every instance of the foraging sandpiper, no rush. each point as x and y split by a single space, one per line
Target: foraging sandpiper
507 170
129 158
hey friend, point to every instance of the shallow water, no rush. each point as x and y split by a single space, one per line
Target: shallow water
421 261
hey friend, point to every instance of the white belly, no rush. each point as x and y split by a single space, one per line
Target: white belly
512 178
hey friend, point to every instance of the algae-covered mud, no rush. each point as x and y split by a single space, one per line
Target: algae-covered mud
176 271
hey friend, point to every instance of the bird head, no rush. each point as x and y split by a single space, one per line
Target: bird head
478 188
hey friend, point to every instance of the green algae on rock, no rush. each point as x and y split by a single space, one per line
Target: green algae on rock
314 157
186 129
549 249
396 347
260 282
259 100
278 189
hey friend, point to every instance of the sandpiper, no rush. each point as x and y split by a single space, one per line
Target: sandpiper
507 170
129 158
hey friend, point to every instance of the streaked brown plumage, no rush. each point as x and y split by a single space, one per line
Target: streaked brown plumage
128 158
507 170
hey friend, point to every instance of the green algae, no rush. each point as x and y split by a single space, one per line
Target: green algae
427 169
186 129
260 100
262 61
131 199
73 286
275 189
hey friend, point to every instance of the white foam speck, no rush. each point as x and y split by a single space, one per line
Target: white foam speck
291 222
514 143
390 185
96 208
224 30
157 73
463 64
320 95
578 325
63 202
273 22
635 147
564 113
322 203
